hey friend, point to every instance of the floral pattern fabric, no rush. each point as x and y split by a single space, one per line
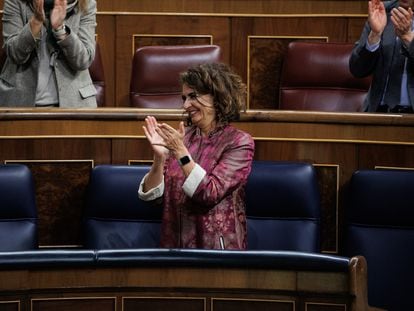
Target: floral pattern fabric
217 208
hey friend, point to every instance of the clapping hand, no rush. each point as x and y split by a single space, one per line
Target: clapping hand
58 14
39 12
156 141
377 17
402 21
173 138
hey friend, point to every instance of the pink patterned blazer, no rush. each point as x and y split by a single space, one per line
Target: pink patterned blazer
216 209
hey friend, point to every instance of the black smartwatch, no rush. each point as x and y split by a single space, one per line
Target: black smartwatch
185 160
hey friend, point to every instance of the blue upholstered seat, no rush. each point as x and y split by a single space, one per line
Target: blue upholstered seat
114 215
380 226
18 213
283 207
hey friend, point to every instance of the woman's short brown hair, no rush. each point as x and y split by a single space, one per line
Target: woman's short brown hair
223 84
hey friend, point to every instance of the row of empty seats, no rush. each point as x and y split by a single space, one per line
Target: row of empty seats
282 208
325 85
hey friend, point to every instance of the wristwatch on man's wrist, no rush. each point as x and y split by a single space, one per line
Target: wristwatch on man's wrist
184 160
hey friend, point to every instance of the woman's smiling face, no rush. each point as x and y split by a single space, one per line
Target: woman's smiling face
200 109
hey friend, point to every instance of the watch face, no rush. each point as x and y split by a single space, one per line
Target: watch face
184 160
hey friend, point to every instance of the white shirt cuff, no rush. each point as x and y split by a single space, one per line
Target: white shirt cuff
372 47
151 194
193 180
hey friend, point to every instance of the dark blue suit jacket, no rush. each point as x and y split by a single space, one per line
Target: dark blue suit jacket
363 63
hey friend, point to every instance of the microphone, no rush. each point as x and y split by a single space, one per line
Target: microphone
221 240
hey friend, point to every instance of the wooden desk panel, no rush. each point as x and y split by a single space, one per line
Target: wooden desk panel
336 143
176 287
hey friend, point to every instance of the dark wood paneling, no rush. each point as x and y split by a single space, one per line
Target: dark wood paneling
125 150
61 170
384 155
147 40
263 305
10 305
60 189
159 304
70 304
355 26
98 150
328 181
186 27
325 307
172 286
269 54
106 38
235 6
238 7
265 59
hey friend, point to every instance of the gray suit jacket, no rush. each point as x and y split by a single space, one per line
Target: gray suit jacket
74 54
363 63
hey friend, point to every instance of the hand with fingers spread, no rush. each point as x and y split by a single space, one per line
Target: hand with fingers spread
377 19
58 14
173 138
402 21
38 11
38 18
157 142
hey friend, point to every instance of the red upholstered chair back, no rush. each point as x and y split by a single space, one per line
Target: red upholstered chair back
316 76
96 71
155 73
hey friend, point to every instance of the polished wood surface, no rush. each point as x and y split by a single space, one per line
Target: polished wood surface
183 288
238 6
234 6
57 142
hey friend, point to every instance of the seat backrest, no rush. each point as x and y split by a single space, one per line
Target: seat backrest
316 76
96 71
380 227
18 213
114 216
283 207
155 73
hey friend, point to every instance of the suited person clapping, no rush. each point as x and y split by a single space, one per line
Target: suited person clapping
50 46
385 50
